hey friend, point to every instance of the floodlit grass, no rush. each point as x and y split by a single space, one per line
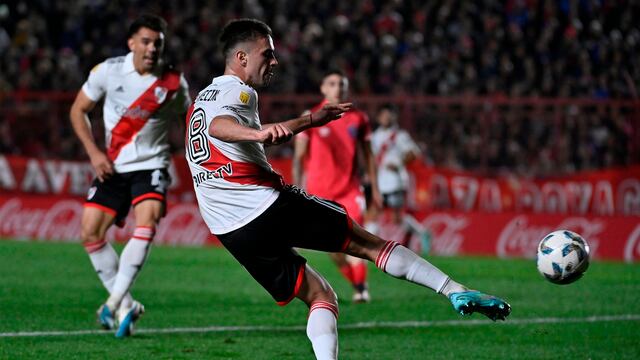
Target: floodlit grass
52 287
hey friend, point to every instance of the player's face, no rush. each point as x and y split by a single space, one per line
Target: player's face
335 88
147 46
261 62
386 118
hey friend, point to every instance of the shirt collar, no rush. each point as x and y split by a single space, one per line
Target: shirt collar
128 67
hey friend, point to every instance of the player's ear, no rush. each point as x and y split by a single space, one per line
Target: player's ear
242 57
130 42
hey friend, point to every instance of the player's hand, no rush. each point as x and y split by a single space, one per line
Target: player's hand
102 165
329 112
275 134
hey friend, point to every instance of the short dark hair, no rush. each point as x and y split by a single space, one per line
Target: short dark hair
241 30
149 21
333 72
389 107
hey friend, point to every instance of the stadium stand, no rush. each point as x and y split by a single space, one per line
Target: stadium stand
450 72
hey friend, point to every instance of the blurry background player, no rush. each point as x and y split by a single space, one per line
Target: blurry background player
141 96
330 155
393 149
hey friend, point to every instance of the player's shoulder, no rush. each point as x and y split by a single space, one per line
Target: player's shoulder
109 64
233 90
358 116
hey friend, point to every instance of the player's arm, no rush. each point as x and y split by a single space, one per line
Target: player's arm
370 165
79 115
227 128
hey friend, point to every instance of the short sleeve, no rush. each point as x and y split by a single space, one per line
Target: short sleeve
239 102
96 84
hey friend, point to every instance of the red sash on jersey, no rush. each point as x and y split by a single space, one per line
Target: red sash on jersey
385 147
141 110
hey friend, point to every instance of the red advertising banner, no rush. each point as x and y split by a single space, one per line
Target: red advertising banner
58 218
515 235
605 192
465 214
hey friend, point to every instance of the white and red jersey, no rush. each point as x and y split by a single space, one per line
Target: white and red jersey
390 147
234 182
137 110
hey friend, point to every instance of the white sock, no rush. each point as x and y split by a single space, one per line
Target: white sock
131 261
322 330
105 261
398 261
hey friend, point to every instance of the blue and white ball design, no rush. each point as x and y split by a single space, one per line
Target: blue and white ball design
563 257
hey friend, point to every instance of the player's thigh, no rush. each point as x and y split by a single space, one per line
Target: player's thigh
95 223
148 212
315 288
310 222
148 193
364 244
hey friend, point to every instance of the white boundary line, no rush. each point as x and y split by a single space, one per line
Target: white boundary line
360 325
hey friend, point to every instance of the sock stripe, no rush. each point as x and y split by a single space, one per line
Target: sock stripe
145 233
324 305
383 256
386 260
94 246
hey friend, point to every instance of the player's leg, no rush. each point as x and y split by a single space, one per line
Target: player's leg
132 259
354 269
400 262
340 260
322 322
98 215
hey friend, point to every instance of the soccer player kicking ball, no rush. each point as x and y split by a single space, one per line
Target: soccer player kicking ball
260 220
330 156
141 97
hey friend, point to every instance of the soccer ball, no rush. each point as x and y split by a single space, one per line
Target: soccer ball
563 257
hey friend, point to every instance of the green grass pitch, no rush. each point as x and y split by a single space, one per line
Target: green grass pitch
47 287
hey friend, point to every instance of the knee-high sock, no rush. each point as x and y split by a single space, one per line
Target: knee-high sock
359 270
398 261
131 261
322 330
105 261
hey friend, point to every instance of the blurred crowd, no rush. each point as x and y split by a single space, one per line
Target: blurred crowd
512 48
445 47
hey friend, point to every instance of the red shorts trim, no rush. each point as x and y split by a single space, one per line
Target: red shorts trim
296 289
103 208
154 196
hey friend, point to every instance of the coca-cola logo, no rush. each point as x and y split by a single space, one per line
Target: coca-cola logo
632 247
519 238
61 221
446 231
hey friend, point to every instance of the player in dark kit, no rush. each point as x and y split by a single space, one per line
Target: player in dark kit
260 220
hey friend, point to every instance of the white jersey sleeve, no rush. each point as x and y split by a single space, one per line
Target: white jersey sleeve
96 85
